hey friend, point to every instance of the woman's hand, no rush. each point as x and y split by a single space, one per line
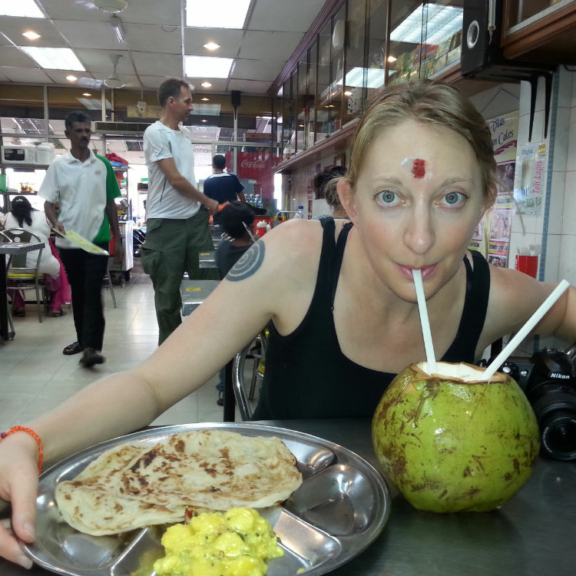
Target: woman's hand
18 485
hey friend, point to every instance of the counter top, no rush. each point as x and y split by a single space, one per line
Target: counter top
531 535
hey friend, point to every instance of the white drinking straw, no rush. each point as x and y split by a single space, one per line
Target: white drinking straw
417 274
523 332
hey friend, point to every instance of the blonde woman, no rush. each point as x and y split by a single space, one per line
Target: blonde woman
339 295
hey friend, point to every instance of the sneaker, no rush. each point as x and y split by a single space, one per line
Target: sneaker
90 357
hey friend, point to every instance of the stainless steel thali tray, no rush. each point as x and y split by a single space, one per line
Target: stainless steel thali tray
341 507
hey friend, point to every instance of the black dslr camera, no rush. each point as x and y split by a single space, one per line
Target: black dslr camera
548 379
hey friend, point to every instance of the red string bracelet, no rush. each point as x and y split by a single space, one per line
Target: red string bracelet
34 435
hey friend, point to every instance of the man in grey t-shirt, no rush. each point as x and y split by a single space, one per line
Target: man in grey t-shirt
177 213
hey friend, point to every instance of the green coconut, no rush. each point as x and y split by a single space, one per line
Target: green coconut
453 442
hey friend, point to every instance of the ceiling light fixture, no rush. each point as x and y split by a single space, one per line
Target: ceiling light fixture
71 78
86 94
207 67
203 120
205 99
118 29
211 46
114 6
392 59
348 93
54 58
206 85
31 35
221 14
21 9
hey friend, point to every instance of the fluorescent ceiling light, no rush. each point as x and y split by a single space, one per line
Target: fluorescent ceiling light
374 78
54 58
208 67
31 35
211 46
71 78
216 13
94 103
207 109
22 9
118 29
206 85
440 22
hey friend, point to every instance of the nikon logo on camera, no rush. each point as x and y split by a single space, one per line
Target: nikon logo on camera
556 375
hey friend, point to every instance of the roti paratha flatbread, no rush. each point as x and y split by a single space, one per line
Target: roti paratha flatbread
132 486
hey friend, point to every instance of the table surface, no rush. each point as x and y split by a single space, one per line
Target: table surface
531 535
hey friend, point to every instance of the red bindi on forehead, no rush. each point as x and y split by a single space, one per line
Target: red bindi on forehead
419 168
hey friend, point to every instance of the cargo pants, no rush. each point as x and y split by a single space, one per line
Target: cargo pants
171 248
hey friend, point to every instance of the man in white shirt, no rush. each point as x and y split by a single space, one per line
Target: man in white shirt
84 185
177 213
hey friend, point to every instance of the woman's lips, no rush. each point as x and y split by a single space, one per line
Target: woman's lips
427 271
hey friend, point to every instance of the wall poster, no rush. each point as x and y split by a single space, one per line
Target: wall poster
529 183
492 235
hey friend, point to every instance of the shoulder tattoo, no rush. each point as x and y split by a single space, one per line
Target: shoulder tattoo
248 264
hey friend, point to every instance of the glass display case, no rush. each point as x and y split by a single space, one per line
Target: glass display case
302 105
518 11
312 86
355 79
324 100
425 38
377 49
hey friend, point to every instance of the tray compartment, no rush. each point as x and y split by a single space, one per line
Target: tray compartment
311 459
339 500
138 559
305 547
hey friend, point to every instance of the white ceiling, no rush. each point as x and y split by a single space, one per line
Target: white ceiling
156 42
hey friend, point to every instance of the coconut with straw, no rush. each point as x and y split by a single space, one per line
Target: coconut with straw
457 437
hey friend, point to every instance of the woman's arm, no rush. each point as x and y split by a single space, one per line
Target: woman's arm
270 279
515 296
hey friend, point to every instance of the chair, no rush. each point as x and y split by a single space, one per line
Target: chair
246 399
20 276
108 280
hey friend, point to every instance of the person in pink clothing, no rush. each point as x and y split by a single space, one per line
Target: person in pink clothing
24 217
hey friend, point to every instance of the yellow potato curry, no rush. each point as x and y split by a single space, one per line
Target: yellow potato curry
236 543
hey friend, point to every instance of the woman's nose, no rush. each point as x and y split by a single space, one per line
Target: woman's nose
419 234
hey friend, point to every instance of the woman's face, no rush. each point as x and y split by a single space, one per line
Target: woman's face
417 202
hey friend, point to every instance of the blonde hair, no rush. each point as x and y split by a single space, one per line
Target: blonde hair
430 103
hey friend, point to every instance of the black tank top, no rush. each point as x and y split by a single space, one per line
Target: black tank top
308 376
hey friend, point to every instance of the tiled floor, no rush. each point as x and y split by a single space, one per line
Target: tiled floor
35 376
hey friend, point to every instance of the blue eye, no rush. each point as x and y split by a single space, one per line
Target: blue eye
454 198
387 197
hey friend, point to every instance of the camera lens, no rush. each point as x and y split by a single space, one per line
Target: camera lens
555 410
559 435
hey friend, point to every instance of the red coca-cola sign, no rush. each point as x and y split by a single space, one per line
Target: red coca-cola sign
255 166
